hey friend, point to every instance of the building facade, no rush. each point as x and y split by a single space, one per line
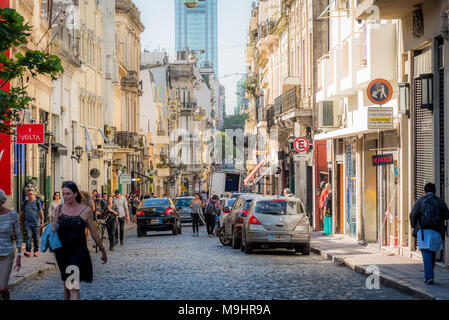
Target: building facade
196 28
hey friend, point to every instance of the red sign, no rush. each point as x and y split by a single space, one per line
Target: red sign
301 144
383 160
30 134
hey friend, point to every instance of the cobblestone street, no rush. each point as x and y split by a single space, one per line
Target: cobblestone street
162 266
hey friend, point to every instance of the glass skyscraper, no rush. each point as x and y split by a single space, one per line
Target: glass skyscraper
197 29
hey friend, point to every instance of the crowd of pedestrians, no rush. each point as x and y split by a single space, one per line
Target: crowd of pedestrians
73 216
207 210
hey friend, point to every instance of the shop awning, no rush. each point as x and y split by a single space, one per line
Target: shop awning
257 180
253 173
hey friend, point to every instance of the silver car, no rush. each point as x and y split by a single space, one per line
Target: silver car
183 206
276 222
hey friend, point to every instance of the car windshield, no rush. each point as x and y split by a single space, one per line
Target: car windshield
183 202
276 207
156 203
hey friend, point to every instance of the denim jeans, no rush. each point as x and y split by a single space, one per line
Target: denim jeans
121 226
32 233
428 258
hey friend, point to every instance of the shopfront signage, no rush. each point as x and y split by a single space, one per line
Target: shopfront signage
30 134
301 144
380 118
125 179
379 91
383 159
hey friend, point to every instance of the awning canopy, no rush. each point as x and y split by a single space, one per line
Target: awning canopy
253 173
256 181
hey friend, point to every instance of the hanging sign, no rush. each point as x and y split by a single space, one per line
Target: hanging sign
379 91
383 159
380 118
30 134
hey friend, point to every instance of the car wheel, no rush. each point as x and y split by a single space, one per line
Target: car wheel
248 248
306 250
174 230
236 243
223 239
139 233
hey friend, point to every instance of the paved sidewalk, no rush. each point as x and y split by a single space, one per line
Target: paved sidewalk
33 267
404 274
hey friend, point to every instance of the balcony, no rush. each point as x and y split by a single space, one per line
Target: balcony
289 107
266 35
127 140
162 138
388 9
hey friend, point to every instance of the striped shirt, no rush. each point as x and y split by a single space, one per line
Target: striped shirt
6 245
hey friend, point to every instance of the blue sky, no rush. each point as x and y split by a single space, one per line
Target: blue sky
233 21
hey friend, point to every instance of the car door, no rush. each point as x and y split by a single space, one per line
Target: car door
229 220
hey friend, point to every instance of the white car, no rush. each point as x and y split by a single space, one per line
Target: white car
225 203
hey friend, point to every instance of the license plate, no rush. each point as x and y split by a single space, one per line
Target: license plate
155 221
278 237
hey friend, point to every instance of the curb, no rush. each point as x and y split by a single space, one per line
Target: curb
49 267
386 280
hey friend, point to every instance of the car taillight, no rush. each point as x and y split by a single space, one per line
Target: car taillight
253 220
140 213
169 211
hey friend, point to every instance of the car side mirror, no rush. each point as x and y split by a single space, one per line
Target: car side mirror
226 210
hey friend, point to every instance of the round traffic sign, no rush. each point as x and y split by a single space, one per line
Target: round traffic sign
301 144
379 91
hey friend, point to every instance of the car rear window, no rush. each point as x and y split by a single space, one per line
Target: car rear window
247 204
156 203
183 202
275 207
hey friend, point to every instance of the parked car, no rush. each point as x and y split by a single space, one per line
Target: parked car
225 206
276 222
232 233
157 214
183 207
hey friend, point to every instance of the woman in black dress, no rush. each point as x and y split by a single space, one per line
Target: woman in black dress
73 258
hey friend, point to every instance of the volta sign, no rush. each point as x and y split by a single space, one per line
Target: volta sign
301 144
30 134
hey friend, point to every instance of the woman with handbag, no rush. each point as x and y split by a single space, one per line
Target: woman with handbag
327 208
70 222
196 205
9 234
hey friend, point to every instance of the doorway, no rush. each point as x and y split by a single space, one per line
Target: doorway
339 214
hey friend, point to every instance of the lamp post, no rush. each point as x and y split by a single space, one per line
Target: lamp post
77 154
200 115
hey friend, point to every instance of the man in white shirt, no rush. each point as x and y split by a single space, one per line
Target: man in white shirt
123 215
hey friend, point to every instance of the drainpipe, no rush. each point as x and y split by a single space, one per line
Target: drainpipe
445 21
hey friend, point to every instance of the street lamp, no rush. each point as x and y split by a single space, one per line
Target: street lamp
404 98
427 91
77 154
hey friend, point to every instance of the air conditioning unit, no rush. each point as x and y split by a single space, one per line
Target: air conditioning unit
329 113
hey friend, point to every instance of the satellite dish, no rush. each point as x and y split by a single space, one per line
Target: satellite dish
95 173
191 3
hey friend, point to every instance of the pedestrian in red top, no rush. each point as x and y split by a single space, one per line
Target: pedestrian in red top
323 196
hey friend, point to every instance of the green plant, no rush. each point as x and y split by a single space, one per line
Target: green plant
13 33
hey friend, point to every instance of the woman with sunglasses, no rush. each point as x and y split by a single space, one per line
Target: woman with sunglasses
73 258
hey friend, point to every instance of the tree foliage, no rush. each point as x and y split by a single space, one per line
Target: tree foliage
13 33
235 121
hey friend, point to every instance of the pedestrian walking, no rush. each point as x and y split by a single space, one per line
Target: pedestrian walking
104 202
196 205
135 205
97 206
10 235
209 215
110 215
427 219
70 222
323 196
327 206
32 220
123 216
57 200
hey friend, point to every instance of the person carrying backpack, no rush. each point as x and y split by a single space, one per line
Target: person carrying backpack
428 222
32 220
209 215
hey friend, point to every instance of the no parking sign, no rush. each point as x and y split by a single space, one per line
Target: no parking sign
302 144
